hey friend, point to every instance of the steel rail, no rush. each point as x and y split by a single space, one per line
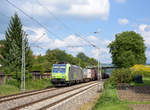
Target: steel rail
49 97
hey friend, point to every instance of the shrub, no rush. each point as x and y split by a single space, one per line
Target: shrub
122 75
6 80
110 83
5 70
37 84
14 82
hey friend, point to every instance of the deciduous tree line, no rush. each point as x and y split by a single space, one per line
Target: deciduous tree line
127 49
11 53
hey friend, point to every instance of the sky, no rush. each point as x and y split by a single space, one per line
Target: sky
70 24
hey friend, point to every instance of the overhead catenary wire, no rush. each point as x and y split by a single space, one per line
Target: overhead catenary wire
52 14
38 38
44 26
64 25
33 44
33 19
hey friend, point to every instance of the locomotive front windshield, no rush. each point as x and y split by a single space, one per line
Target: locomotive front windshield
59 68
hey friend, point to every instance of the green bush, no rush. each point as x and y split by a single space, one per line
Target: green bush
6 80
110 83
5 70
122 75
38 84
28 75
14 82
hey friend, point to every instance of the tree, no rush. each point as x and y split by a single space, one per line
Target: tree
51 56
61 55
12 47
1 48
82 56
128 49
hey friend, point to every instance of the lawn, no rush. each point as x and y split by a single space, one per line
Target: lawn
11 87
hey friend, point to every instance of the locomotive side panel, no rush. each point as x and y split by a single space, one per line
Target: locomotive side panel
75 73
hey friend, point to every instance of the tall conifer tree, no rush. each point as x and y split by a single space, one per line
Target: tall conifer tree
12 52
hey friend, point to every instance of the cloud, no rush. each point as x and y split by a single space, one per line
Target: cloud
144 30
79 44
76 50
78 8
38 36
123 21
120 1
2 36
148 56
102 53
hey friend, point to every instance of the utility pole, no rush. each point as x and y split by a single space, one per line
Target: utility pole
23 63
99 66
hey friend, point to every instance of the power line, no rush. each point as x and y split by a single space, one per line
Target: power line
38 38
32 42
93 45
64 25
43 25
33 19
72 46
51 13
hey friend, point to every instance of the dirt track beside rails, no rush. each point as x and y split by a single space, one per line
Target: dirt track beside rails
136 94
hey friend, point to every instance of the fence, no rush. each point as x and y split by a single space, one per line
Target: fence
3 77
41 76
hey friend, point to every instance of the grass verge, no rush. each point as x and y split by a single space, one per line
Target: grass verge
38 84
109 101
11 88
146 82
8 89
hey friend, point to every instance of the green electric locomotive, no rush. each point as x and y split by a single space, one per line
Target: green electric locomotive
66 74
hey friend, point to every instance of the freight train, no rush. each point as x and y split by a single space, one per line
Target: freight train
67 74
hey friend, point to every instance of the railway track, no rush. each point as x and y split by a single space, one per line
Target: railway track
14 101
49 106
24 94
55 99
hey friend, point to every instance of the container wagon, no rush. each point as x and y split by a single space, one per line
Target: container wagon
94 74
87 75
